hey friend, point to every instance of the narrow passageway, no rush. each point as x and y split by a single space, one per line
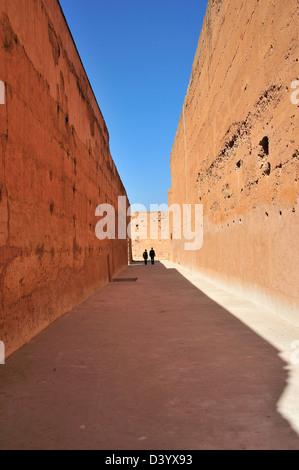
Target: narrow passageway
151 363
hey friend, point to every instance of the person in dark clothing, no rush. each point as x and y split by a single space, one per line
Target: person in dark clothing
152 255
145 257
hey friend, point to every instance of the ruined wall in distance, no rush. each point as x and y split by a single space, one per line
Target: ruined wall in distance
236 151
55 168
144 239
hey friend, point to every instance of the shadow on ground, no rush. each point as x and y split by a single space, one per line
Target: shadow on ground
153 364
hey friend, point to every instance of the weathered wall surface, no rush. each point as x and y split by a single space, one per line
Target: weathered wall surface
55 168
236 151
146 238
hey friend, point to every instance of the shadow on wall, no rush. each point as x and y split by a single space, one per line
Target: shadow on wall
155 358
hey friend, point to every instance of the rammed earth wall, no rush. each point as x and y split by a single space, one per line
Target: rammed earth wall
236 151
55 168
150 230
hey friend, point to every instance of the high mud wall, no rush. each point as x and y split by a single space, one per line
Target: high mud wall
150 230
55 169
236 151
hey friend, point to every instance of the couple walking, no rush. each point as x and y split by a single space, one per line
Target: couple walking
152 256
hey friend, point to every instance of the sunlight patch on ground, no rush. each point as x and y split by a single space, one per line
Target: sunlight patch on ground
276 331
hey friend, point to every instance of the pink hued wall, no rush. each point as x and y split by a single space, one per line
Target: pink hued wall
236 152
55 169
147 222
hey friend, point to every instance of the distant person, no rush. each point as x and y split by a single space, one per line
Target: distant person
145 257
152 255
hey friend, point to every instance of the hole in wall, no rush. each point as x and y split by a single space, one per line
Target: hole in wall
264 143
267 169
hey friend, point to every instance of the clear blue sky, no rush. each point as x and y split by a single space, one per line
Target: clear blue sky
138 56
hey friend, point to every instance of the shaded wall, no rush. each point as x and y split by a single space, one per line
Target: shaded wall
236 151
55 168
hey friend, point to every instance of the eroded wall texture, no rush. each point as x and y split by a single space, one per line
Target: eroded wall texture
55 169
236 151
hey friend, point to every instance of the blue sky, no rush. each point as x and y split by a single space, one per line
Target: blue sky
138 56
